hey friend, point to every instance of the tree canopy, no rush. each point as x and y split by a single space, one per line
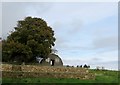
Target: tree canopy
32 37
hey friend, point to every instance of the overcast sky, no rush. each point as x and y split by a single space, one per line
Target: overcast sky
86 32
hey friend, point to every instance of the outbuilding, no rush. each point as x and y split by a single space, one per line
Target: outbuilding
52 60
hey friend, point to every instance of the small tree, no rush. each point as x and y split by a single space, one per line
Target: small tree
88 66
80 66
67 66
85 66
97 68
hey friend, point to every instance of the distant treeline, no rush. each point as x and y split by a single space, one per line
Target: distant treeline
80 66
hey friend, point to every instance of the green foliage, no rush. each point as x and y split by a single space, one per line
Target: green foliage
32 37
15 51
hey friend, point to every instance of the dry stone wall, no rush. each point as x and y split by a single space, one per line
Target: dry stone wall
46 75
45 71
6 67
33 68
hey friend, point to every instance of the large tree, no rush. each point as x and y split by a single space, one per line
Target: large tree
32 37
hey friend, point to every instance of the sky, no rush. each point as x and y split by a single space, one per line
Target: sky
86 32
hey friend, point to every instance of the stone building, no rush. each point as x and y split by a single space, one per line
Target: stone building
52 60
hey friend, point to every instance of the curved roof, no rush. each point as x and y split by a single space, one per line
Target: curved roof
56 58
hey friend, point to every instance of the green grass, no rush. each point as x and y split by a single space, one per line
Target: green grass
106 76
101 77
44 80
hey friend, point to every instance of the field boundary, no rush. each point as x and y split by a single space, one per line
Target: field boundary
32 71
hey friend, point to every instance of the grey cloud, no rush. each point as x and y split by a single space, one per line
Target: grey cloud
11 13
99 45
113 65
37 8
96 59
76 26
72 27
104 62
57 25
73 62
93 63
64 45
110 42
14 11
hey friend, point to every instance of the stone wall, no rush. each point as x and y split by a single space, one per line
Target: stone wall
45 71
6 67
46 75
33 68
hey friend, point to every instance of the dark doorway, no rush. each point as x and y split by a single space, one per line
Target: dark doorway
52 62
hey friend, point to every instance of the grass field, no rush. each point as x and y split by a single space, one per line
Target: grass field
101 77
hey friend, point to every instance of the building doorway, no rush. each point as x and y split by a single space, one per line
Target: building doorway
52 62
